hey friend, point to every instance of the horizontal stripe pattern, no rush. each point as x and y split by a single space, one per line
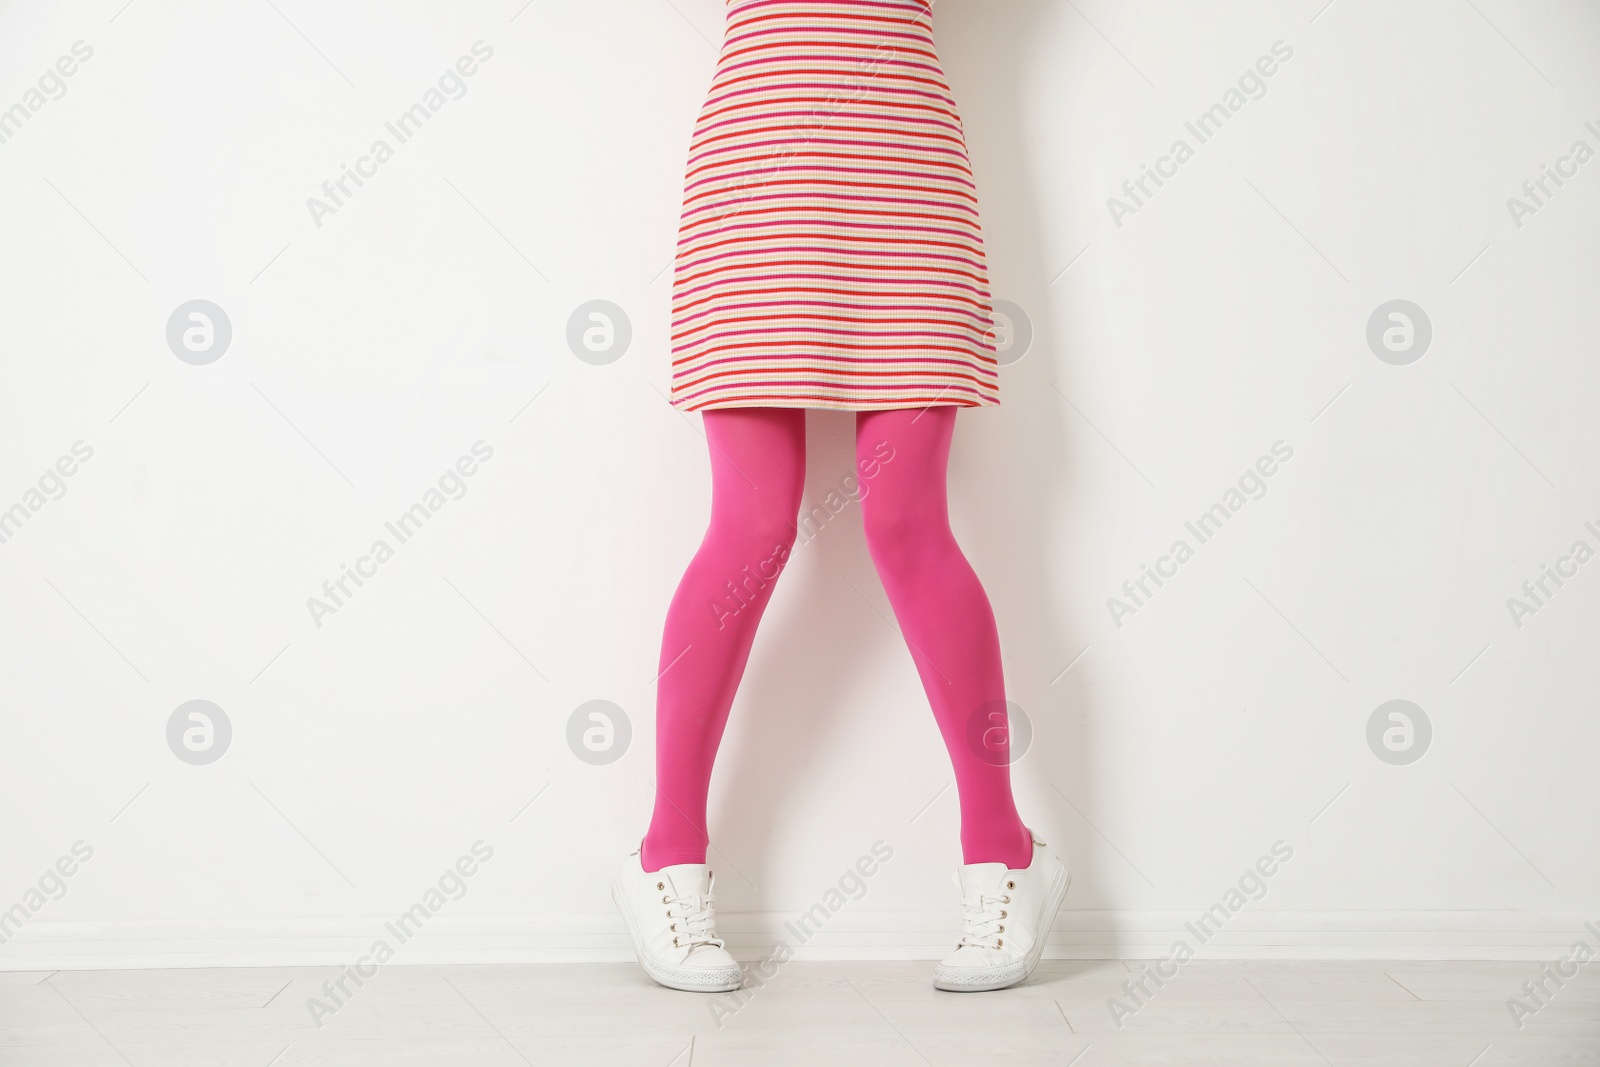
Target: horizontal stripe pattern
830 252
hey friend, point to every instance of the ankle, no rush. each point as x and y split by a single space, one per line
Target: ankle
1014 848
653 858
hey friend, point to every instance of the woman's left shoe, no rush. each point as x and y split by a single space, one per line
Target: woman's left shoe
1007 916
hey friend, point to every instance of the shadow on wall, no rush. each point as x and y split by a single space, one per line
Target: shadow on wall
1008 471
1011 475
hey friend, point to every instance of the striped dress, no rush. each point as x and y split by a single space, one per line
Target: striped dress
830 253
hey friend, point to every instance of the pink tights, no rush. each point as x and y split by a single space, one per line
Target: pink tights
758 472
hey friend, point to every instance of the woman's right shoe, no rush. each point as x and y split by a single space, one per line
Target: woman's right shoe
673 926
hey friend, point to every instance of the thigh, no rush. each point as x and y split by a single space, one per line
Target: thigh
758 457
902 456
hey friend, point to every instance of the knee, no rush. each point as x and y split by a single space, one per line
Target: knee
899 538
771 537
755 526
768 533
754 557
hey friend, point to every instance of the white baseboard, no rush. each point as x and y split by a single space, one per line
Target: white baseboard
445 939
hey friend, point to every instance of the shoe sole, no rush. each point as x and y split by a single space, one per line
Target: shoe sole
1053 902
715 985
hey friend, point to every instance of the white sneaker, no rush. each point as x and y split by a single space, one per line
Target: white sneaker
672 923
1007 916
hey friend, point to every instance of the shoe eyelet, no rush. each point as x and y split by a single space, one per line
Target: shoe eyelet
673 927
999 941
675 943
664 900
1011 885
1002 913
661 885
1000 929
1005 900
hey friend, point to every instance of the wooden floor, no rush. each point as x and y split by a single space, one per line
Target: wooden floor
812 1014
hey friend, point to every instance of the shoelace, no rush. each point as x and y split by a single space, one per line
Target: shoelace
983 920
693 924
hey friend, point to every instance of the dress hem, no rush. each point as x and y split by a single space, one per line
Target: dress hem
833 405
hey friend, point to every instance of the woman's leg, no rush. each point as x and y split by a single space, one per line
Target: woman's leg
944 615
758 462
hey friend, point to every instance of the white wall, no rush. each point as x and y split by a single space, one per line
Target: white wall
1226 313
